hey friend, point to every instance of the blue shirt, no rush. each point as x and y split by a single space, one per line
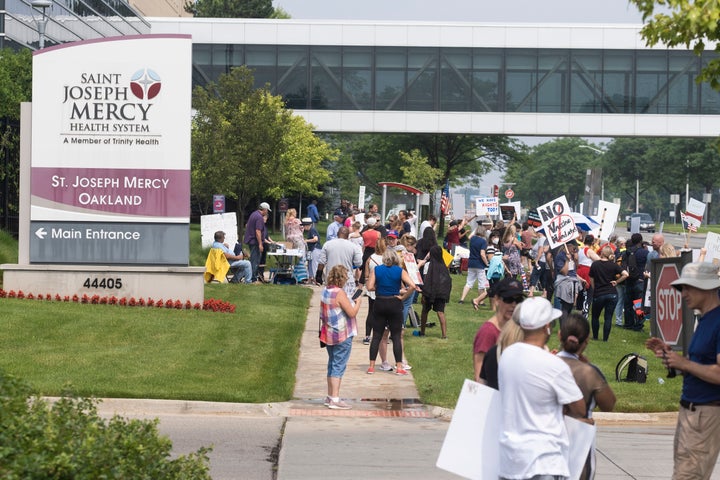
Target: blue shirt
387 280
332 231
704 349
477 245
313 213
222 247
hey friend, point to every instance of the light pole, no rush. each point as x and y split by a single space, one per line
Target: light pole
42 5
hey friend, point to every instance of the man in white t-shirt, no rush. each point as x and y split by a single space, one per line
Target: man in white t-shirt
535 385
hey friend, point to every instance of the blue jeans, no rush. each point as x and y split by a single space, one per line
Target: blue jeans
243 269
607 303
255 256
338 356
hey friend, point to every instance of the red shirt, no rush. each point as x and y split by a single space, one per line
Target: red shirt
370 237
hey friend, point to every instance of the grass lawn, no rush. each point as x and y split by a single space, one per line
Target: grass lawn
250 356
440 366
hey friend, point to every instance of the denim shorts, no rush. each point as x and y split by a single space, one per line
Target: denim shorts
338 356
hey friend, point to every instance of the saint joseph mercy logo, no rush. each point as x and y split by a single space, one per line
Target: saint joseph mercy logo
145 84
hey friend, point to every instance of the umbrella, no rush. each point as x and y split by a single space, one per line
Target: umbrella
584 222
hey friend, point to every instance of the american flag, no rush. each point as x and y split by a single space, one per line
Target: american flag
445 199
690 221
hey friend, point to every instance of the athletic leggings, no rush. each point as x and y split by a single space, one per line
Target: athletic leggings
387 311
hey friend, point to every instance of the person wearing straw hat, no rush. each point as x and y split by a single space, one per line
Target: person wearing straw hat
535 387
697 433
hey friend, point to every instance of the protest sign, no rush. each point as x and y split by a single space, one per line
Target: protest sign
712 245
508 212
487 206
557 222
412 267
607 218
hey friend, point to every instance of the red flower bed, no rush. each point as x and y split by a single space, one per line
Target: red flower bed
211 304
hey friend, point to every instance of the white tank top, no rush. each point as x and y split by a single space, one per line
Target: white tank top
582 258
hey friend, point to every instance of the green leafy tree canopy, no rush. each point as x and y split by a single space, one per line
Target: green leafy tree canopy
231 8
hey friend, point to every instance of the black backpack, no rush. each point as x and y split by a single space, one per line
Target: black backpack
634 367
629 263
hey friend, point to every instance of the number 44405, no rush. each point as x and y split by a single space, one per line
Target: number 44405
103 283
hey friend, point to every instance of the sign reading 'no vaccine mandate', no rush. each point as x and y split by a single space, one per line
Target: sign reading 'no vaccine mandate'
111 146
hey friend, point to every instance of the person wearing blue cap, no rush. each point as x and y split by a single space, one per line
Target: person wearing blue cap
332 230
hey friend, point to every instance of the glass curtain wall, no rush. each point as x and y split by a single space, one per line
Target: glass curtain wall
470 79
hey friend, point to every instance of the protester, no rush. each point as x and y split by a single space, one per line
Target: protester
574 337
255 234
535 388
509 334
697 434
392 285
604 276
338 327
436 289
505 297
635 284
314 247
477 264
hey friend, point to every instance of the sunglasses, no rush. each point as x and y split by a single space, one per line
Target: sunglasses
517 299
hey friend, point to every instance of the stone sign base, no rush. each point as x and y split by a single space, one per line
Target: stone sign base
166 283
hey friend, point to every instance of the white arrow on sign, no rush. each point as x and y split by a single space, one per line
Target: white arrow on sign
40 233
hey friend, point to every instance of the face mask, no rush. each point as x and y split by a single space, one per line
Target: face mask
549 331
495 240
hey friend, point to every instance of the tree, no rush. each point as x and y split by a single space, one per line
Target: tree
15 87
230 8
688 23
550 170
246 144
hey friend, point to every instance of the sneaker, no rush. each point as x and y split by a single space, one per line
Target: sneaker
327 401
366 341
370 370
461 301
386 367
406 366
400 371
339 405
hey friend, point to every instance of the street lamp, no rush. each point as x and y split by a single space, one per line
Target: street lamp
41 5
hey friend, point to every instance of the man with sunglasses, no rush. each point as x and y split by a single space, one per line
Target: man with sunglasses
505 296
535 387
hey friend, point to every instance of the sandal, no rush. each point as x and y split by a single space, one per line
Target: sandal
475 306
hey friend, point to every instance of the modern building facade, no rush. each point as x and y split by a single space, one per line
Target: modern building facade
67 21
160 8
586 80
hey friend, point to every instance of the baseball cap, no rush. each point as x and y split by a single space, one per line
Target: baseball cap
265 206
392 234
339 213
701 275
507 288
306 221
371 221
536 312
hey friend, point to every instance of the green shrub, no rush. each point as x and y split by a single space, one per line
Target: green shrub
68 440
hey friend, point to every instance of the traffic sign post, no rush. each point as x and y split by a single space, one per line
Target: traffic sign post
672 320
509 194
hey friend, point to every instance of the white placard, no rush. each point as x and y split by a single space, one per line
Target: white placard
712 245
412 268
557 222
487 207
607 218
471 446
209 224
696 208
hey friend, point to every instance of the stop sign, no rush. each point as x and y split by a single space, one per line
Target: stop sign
509 194
668 305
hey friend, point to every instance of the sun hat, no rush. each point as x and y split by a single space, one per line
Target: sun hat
392 234
265 206
371 221
536 312
306 221
701 275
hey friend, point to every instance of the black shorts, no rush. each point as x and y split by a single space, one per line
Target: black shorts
438 305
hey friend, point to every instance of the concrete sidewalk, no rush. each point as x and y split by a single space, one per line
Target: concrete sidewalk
387 434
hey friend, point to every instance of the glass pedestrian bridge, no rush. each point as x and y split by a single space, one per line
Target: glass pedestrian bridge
552 79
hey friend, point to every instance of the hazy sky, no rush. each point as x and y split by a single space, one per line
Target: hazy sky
495 11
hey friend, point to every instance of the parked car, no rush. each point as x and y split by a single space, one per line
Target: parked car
647 224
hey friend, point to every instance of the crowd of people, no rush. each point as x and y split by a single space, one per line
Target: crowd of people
529 288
